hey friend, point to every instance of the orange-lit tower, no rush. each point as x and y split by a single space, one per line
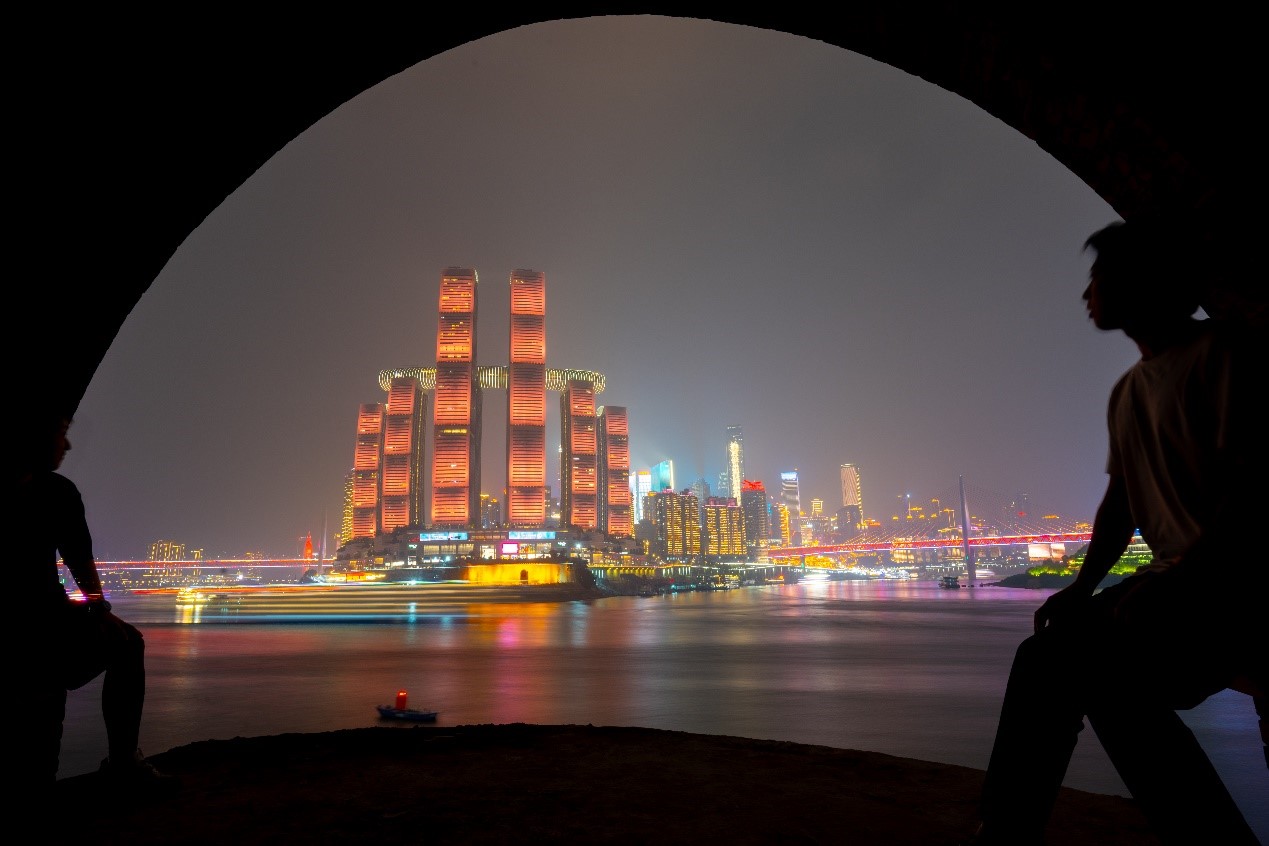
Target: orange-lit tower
526 401
577 459
456 421
402 484
614 471
366 466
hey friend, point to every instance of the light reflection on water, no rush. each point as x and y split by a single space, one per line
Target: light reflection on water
903 668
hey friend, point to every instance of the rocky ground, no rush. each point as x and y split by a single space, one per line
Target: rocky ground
506 784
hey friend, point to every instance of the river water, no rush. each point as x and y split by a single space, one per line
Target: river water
899 667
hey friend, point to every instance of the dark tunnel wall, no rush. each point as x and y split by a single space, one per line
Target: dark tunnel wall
131 130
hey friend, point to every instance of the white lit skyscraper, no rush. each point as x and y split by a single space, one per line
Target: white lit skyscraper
735 462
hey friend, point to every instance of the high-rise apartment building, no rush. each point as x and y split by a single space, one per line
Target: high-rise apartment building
456 420
852 497
678 524
526 402
367 461
401 485
663 476
753 502
613 455
735 462
723 529
578 486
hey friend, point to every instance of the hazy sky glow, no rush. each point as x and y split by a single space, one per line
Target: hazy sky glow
736 227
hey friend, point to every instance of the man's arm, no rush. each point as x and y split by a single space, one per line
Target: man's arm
1112 532
76 547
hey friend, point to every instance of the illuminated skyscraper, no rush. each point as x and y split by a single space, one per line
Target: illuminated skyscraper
367 460
456 422
578 487
678 524
641 486
724 528
790 494
735 462
402 483
614 471
490 512
852 495
346 515
753 502
783 529
526 401
663 476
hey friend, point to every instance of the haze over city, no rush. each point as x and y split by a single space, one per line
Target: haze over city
736 226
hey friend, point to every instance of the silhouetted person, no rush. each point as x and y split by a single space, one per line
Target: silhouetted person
1182 459
67 643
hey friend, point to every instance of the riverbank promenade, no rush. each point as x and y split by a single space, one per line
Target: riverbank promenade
517 783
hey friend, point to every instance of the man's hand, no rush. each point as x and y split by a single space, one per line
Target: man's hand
1063 605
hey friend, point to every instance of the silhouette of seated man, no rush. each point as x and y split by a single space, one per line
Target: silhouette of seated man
68 643
1181 459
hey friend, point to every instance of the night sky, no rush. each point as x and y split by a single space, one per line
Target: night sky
736 226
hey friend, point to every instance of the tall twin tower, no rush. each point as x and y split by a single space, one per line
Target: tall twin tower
387 479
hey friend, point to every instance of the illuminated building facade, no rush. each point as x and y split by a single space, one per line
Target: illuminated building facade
640 487
346 515
678 524
526 402
735 462
790 493
456 420
724 529
783 529
852 497
753 502
490 512
663 476
401 487
613 455
578 487
367 459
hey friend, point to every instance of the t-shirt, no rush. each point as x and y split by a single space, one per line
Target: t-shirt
1178 436
49 514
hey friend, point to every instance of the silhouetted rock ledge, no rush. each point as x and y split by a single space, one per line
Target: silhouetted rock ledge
486 784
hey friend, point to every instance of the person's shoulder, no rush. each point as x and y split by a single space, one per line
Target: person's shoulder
60 484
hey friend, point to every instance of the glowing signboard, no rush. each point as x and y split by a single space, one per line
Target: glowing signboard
509 549
530 535
443 536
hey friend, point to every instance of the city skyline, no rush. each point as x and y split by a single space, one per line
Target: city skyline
874 273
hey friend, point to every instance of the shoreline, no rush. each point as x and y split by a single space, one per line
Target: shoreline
524 783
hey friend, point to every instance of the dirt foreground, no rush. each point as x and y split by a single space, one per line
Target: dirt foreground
501 784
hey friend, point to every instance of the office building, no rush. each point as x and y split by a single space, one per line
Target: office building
367 459
401 483
526 402
490 512
852 498
640 487
346 514
578 486
614 517
753 502
735 462
456 421
790 494
663 476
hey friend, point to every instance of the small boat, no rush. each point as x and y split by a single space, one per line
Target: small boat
949 582
401 711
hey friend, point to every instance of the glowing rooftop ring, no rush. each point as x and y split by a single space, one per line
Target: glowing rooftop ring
495 377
